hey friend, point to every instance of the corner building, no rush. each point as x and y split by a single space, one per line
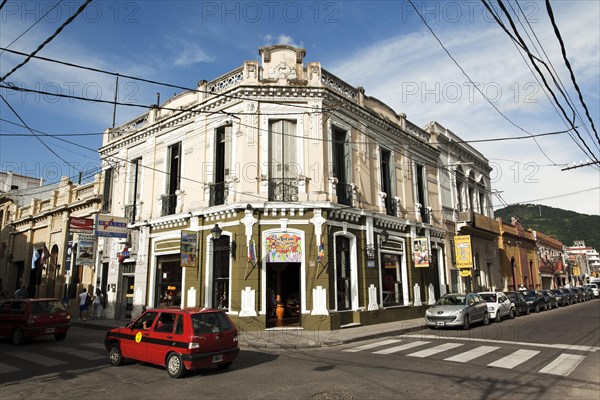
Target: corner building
294 198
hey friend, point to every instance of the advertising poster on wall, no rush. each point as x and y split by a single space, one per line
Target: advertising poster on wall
420 247
463 253
284 247
189 249
86 250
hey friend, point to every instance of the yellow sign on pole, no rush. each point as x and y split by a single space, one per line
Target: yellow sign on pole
462 250
465 272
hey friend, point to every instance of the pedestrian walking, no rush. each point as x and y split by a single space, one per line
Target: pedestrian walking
21 293
97 305
84 301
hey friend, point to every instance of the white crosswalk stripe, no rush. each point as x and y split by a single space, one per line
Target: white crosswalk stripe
7 369
472 354
435 350
36 358
514 359
372 345
563 364
401 347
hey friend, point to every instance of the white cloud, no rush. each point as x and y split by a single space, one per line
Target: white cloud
191 54
281 39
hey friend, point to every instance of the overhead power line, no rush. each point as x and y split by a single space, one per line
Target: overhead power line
48 40
473 83
568 64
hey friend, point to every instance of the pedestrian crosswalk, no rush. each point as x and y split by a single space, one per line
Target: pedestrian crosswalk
562 364
56 356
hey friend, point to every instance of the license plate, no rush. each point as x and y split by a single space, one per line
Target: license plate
49 330
440 323
217 358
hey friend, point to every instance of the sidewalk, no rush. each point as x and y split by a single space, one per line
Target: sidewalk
292 338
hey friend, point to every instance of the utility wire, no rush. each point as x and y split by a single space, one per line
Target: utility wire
533 58
3 3
33 133
568 64
471 81
48 40
34 24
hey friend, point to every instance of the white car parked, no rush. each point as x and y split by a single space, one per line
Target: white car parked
499 306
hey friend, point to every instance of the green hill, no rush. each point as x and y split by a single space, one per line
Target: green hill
564 225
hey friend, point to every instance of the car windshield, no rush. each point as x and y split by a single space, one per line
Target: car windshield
489 297
512 296
212 322
451 301
528 292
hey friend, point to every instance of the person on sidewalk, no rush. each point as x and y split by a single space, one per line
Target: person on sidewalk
97 305
83 303
21 293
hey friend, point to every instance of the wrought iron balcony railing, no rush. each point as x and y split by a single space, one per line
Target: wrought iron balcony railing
169 204
130 213
391 206
218 193
283 189
344 193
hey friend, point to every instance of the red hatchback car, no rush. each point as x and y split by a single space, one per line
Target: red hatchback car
177 339
24 318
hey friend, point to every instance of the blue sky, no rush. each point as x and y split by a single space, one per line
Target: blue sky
380 45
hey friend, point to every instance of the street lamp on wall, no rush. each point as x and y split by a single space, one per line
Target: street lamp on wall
230 247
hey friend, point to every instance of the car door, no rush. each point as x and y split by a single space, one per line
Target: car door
162 338
477 306
504 304
134 338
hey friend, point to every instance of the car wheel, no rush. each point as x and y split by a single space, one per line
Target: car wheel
537 308
545 307
175 367
60 336
528 310
431 326
115 356
511 314
498 316
518 312
224 365
18 338
486 319
467 323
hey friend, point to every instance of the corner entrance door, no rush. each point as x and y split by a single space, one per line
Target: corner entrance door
283 294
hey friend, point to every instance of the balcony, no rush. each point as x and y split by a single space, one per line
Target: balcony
218 193
130 213
169 204
283 189
391 206
343 192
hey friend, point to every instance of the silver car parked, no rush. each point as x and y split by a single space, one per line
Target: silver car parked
457 309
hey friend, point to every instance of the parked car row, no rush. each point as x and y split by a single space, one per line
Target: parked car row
464 309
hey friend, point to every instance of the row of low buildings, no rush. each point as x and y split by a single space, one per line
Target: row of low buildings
285 196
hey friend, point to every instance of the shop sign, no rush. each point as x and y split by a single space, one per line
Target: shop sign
69 250
81 225
86 250
110 226
465 273
284 247
189 249
462 250
123 255
420 251
390 261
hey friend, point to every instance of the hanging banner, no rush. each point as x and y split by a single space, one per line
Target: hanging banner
284 247
109 226
189 249
420 247
69 255
462 250
81 225
86 250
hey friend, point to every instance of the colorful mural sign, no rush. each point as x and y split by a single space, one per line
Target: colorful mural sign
189 249
391 261
420 251
462 250
284 247
81 225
